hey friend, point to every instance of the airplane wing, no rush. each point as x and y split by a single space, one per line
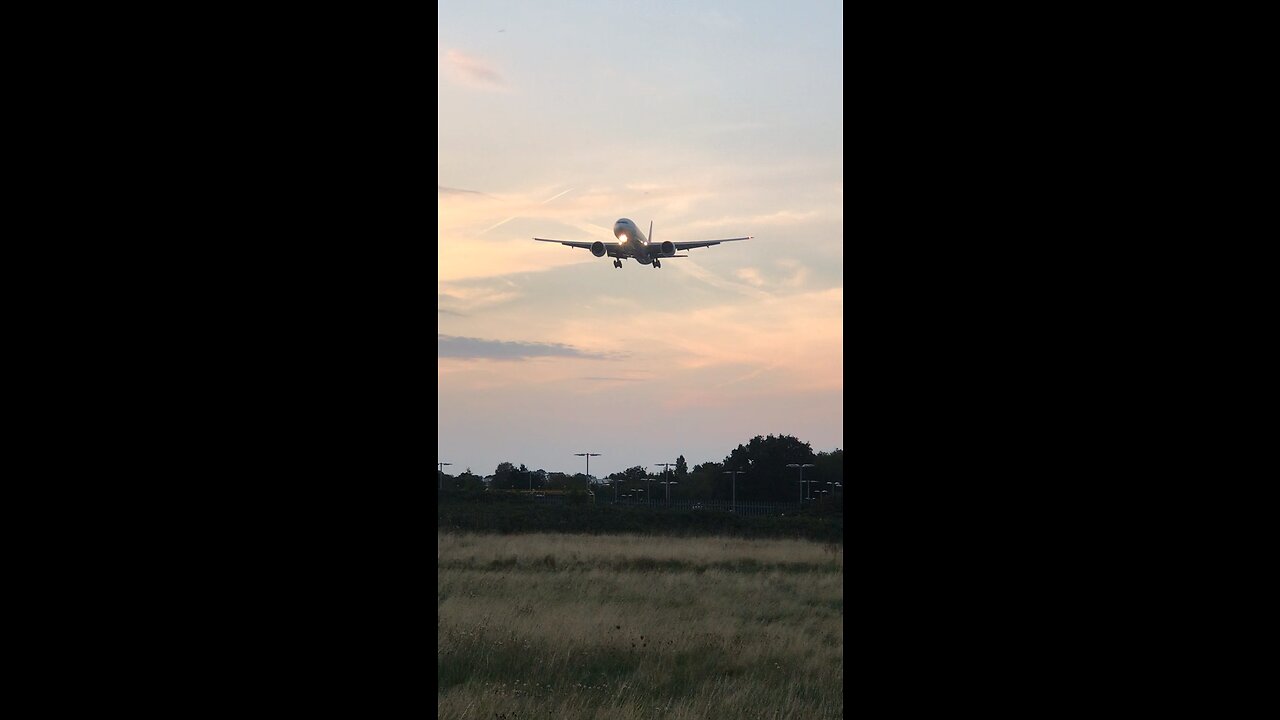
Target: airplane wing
706 243
610 249
575 243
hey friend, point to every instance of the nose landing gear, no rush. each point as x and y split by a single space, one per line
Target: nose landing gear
617 263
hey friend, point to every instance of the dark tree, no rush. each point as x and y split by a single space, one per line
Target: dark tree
705 482
470 482
765 459
829 473
629 479
504 478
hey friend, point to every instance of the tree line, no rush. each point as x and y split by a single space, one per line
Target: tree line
763 477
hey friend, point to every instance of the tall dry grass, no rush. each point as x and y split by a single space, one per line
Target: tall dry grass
572 626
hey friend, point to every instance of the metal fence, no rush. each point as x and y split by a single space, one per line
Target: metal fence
741 508
602 497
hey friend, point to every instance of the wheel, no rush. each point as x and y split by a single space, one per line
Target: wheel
657 263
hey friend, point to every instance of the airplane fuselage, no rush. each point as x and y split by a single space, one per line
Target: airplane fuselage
633 239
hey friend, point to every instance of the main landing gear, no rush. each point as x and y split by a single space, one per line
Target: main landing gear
657 264
617 264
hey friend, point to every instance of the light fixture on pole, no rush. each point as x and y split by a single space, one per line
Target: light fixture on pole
666 469
441 470
802 467
735 474
588 456
668 483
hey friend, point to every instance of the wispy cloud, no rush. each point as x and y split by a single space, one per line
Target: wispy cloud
792 340
750 275
799 273
749 222
719 22
476 348
441 189
458 299
472 70
792 274
691 267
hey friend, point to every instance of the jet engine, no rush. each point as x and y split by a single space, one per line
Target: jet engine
597 248
668 248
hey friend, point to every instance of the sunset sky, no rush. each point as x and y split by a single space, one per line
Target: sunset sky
713 120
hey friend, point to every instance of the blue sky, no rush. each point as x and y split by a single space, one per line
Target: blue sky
715 120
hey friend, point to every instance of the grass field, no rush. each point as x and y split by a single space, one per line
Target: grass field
627 626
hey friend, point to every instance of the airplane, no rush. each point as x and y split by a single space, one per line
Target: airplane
633 244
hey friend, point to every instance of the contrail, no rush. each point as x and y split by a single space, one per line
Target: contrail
553 197
504 222
513 217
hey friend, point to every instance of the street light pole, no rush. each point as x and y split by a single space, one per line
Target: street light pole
665 470
441 470
588 456
734 473
668 483
802 467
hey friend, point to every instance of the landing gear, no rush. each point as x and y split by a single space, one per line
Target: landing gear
617 264
657 263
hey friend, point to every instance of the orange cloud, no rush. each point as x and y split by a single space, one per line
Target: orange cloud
472 71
